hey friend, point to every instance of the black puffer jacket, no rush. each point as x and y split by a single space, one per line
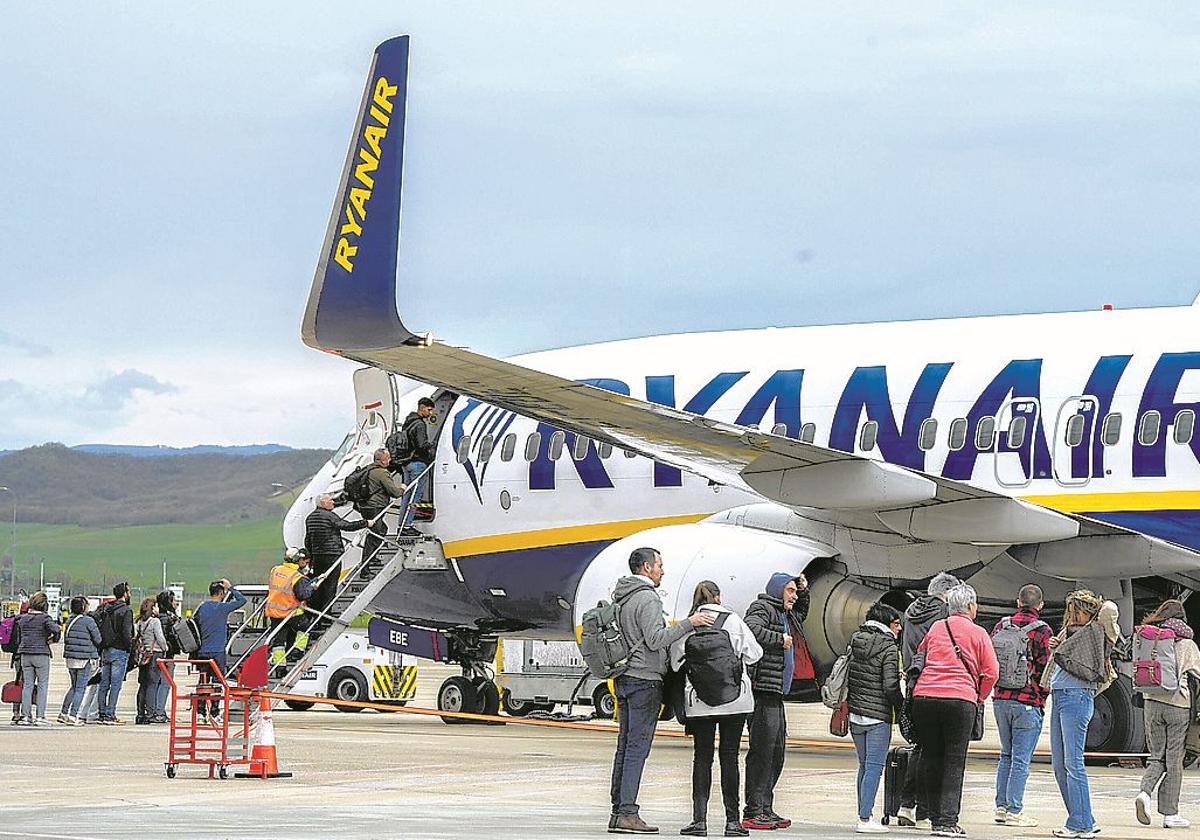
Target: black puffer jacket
323 532
874 679
764 617
921 614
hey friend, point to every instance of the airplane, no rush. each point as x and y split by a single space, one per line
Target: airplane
1057 449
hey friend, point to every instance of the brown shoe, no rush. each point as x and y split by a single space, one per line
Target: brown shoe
632 824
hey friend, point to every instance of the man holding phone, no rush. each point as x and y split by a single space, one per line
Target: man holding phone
212 618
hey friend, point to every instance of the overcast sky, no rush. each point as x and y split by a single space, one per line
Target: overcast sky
573 173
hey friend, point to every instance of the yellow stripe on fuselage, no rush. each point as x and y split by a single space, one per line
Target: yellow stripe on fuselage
568 535
1111 502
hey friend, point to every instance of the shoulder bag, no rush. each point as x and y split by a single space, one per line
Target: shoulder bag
977 732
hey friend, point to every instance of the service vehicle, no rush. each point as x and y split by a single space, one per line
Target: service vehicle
535 676
351 669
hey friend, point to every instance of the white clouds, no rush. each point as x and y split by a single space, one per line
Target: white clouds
17 344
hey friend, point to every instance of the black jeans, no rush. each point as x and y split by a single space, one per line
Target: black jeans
375 534
207 677
325 593
704 730
764 761
638 702
944 728
912 795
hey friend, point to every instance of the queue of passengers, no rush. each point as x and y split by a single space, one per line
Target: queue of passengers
930 671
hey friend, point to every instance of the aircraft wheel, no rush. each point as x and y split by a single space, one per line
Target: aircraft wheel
603 702
489 699
298 705
348 684
1116 727
458 694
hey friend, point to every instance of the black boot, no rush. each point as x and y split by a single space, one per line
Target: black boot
697 828
733 828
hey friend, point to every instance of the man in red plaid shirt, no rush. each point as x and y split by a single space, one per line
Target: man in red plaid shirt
1022 643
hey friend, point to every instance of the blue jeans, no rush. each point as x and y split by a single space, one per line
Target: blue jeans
871 743
1020 726
412 471
638 702
112 674
1070 713
74 697
164 690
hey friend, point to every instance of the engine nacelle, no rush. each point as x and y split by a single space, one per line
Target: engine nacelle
739 560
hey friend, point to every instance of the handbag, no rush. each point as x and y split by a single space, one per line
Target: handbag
11 693
904 718
839 721
977 731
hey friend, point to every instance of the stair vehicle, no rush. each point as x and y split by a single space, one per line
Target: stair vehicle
350 669
535 676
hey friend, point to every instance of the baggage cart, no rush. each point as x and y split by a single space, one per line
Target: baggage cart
196 738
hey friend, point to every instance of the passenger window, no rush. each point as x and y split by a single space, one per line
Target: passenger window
485 448
866 438
985 433
580 450
1016 432
556 444
958 434
629 453
779 429
532 444
464 449
1185 422
1074 433
1110 432
508 448
604 450
927 435
1148 433
808 432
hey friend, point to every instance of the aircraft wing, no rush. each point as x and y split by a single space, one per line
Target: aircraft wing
352 313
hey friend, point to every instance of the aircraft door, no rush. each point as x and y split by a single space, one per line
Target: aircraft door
1016 426
1074 435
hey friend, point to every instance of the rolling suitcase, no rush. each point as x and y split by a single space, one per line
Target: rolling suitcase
894 770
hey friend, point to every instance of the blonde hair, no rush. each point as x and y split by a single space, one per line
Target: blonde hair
706 592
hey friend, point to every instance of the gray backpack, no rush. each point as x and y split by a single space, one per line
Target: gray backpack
1155 673
1012 644
836 689
602 642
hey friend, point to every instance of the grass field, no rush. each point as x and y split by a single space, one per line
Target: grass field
93 559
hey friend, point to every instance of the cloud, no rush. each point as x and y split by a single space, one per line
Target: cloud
116 390
21 345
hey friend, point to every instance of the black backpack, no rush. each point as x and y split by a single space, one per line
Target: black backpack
400 444
105 616
355 487
713 668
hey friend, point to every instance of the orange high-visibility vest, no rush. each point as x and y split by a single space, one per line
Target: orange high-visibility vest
281 601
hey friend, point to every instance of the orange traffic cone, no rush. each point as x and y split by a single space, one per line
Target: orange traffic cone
263 761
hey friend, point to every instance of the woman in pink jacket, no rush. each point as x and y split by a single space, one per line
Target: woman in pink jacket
958 673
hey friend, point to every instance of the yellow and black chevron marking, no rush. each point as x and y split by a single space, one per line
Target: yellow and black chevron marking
395 682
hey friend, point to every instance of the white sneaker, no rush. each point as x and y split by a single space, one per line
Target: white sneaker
1141 804
64 718
1021 820
1175 821
1073 834
1000 815
923 825
78 721
871 826
41 722
906 817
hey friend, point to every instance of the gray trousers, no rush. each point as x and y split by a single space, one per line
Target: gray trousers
1166 733
35 670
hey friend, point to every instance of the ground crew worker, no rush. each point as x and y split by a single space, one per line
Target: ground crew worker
289 588
382 488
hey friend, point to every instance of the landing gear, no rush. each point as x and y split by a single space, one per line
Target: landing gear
474 692
1116 727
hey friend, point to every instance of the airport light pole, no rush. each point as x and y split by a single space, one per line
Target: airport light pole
12 576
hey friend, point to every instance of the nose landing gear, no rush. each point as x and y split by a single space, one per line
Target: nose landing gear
475 692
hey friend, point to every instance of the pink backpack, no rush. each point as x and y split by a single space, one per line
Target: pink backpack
1154 669
6 632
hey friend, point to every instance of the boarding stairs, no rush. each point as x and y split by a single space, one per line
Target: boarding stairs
402 547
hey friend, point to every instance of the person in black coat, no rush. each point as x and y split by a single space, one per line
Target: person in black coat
874 696
323 542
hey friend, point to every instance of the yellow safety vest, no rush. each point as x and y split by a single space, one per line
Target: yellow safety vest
281 601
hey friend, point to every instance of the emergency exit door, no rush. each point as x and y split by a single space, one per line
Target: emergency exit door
1016 425
1074 436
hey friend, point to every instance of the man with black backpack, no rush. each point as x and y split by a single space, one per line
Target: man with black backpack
639 687
371 489
409 445
1022 645
116 637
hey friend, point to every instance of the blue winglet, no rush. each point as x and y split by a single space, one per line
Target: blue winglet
352 304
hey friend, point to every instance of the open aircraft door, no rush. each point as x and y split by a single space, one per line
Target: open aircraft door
1075 433
1017 426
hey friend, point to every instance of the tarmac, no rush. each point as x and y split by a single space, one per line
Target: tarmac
385 775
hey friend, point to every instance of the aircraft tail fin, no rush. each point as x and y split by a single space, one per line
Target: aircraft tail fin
352 303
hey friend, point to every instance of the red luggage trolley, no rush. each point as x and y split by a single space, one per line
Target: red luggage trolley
195 738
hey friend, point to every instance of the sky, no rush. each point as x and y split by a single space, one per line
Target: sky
574 173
